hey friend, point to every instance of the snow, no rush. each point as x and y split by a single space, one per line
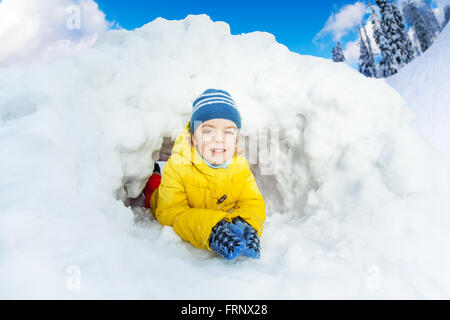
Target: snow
424 84
357 208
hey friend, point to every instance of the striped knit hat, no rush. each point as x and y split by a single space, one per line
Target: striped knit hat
214 104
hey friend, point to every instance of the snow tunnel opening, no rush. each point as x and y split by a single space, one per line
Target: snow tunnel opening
277 159
137 204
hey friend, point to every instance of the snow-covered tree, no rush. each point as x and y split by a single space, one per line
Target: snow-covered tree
416 21
431 22
366 60
406 51
394 30
338 54
387 65
446 16
369 45
415 42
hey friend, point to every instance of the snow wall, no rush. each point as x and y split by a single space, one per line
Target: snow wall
357 205
424 84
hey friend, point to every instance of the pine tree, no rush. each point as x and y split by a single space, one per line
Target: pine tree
369 46
394 30
415 42
387 65
366 60
415 19
431 22
406 51
446 16
338 54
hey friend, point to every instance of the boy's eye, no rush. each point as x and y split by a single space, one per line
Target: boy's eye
210 131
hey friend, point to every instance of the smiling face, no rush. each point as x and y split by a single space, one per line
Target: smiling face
216 140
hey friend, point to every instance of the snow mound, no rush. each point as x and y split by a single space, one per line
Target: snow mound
357 201
424 84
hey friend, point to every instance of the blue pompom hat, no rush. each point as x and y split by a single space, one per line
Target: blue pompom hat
214 104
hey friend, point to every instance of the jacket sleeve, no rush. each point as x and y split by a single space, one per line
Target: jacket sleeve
250 205
191 224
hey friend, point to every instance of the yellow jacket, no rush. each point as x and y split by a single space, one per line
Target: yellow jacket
187 198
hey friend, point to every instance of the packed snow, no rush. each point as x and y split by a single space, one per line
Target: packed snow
357 201
425 83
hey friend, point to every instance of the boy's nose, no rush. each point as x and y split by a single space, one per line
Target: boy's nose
219 137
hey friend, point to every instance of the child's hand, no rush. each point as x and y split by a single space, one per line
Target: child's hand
225 242
242 228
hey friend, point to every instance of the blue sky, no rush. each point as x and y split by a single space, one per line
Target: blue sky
294 23
306 27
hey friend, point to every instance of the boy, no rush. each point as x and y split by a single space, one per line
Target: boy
208 193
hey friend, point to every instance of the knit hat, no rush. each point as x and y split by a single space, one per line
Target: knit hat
214 104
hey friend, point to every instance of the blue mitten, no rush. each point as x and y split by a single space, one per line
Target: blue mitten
242 228
225 242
